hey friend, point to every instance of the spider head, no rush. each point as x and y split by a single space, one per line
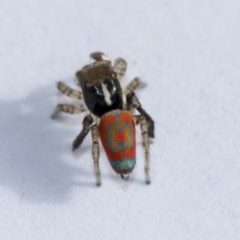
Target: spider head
101 89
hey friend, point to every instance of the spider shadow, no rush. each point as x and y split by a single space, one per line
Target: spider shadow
34 150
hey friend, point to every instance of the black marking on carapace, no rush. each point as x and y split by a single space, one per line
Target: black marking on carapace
91 78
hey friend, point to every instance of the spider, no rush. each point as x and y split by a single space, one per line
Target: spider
110 114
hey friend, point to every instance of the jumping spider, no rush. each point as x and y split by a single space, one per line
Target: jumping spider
111 114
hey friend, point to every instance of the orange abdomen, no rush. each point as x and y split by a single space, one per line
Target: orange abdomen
117 133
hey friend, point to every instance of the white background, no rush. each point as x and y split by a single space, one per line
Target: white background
188 54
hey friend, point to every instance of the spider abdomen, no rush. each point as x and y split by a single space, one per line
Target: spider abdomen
117 133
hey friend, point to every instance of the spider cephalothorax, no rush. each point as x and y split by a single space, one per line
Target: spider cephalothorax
110 116
101 89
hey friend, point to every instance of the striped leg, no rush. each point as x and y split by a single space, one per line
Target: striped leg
132 85
95 152
145 141
87 123
68 108
120 67
72 93
132 101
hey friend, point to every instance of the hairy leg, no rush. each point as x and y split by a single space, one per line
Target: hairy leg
87 122
132 101
95 152
145 142
70 92
132 85
120 67
68 108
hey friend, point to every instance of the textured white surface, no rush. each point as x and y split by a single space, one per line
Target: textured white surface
188 54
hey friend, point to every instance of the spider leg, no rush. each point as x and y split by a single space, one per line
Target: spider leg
145 142
87 122
70 92
132 101
68 108
95 152
120 67
99 56
132 85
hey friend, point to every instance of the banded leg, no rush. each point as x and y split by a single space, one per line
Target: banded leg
70 92
99 56
87 122
132 85
145 142
68 108
120 67
95 152
132 101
